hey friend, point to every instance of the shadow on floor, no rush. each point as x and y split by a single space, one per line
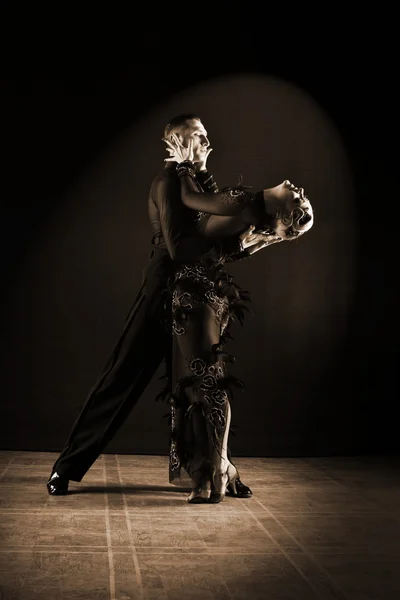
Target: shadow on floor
127 489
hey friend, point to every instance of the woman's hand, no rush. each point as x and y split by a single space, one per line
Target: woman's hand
178 152
253 242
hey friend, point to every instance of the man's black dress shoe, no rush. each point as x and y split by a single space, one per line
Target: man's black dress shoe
57 485
238 490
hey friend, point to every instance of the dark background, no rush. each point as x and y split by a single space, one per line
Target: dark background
71 85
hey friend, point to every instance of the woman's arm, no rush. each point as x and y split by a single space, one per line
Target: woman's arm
169 219
228 202
217 225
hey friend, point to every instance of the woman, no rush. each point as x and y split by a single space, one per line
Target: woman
204 301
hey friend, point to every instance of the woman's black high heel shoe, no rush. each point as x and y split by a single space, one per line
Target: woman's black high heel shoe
201 482
228 478
199 496
237 489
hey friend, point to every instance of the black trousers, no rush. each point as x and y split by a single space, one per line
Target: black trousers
134 360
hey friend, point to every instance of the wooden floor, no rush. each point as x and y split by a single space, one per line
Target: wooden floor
318 528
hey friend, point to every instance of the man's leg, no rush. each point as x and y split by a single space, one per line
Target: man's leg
130 367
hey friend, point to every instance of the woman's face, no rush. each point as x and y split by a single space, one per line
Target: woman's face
293 210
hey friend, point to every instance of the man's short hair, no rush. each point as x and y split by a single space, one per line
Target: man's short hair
179 123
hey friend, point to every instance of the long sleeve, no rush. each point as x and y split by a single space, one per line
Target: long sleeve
169 221
238 255
227 202
206 181
208 184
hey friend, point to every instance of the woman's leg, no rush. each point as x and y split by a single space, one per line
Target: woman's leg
199 395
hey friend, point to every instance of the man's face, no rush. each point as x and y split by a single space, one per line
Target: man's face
195 131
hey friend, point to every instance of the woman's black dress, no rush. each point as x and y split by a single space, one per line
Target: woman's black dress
204 302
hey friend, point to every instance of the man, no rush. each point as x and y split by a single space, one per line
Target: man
146 338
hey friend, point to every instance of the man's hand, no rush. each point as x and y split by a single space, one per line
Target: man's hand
253 242
178 152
